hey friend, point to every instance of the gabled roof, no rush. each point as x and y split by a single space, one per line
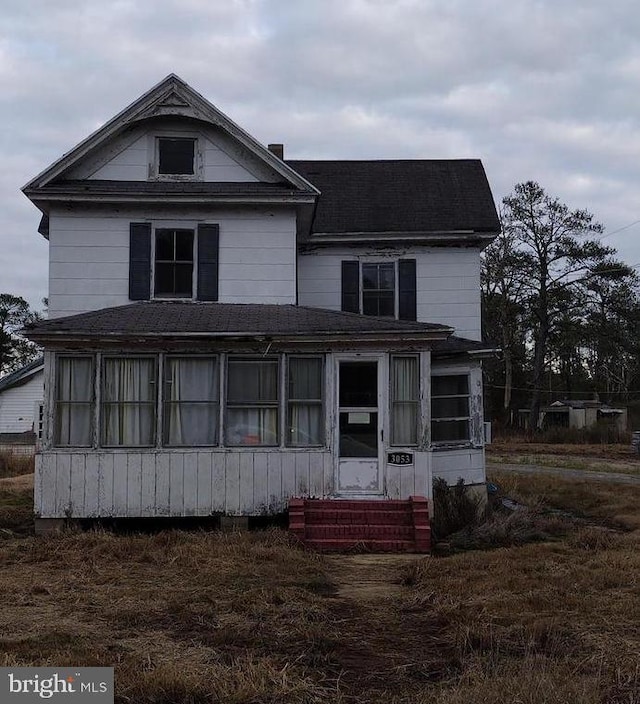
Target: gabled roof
22 375
172 96
189 319
400 197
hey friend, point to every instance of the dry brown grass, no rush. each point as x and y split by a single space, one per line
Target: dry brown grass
519 446
188 618
13 464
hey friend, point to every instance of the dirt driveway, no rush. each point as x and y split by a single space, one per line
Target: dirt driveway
580 474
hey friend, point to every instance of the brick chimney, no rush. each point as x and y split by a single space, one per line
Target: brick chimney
277 149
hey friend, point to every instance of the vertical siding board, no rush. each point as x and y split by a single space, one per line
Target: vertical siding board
148 485
316 472
421 474
120 481
91 486
134 484
328 474
288 476
105 481
302 473
47 481
408 478
190 483
176 484
276 500
76 500
232 483
246 482
393 481
162 485
261 482
218 483
63 485
204 483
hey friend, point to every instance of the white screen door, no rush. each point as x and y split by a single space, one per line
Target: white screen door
359 425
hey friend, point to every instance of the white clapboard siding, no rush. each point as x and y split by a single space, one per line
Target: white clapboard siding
18 405
89 255
131 157
448 281
196 483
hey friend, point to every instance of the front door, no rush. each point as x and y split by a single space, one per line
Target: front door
359 427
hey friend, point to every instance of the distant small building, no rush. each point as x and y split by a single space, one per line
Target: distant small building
21 394
576 414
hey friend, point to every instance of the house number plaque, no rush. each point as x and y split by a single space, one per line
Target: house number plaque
399 458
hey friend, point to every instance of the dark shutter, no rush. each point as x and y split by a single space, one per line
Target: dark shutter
139 261
208 239
407 289
351 287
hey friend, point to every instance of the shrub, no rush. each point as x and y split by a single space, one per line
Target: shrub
453 508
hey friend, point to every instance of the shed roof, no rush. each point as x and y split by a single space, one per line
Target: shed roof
22 375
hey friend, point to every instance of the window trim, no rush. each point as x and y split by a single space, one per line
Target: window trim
155 228
449 443
154 148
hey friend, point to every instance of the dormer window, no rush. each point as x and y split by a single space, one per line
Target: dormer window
176 156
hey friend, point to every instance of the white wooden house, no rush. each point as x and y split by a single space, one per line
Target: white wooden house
229 329
21 409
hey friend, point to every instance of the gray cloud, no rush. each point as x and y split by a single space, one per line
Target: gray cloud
540 90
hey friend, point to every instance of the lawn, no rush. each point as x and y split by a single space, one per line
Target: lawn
199 617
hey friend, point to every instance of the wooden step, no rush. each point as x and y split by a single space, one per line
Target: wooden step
359 532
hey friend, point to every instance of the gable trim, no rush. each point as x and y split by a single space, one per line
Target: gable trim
159 101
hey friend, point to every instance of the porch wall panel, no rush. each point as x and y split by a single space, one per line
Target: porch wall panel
155 484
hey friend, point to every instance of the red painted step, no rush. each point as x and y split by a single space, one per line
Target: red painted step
376 526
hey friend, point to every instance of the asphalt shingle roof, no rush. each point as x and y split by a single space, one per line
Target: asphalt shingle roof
400 196
176 317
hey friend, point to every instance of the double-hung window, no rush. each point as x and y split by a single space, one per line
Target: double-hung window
379 289
305 415
173 271
383 288
128 401
405 400
450 414
73 408
190 403
253 402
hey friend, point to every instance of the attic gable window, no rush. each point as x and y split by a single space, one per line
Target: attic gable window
176 156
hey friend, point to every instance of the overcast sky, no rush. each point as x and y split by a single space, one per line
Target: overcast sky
544 90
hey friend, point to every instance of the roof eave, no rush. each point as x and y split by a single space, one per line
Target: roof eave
436 237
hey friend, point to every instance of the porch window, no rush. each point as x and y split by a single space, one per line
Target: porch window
190 401
73 402
305 418
252 402
450 415
405 400
173 274
129 402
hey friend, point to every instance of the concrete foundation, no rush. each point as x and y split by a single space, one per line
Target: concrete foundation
230 524
44 526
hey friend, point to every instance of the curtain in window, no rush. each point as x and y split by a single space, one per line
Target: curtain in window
74 405
191 401
128 397
252 402
404 400
305 401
